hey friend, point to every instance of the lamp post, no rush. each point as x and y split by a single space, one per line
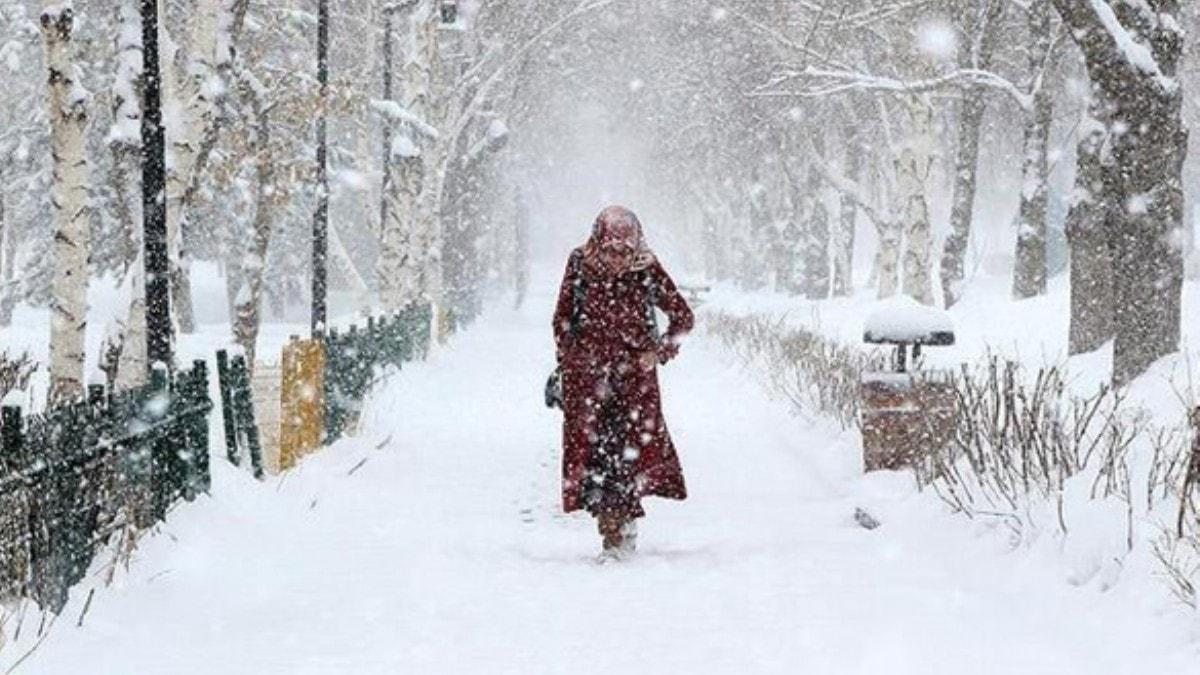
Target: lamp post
154 205
320 232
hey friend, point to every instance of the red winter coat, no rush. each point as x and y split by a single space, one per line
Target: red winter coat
601 357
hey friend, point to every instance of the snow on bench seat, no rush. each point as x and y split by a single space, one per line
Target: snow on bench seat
902 320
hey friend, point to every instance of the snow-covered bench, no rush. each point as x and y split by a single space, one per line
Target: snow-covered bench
904 322
905 413
694 292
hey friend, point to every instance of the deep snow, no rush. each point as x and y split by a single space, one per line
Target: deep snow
446 552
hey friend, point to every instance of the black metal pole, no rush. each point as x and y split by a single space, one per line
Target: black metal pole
321 220
388 22
154 202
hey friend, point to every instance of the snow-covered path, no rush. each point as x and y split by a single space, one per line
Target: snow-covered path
445 552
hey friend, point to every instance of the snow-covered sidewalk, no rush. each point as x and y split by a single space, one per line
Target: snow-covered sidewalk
433 543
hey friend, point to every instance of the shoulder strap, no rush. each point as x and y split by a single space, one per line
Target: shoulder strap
653 290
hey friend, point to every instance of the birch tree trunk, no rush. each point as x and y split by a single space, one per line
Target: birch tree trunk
1029 267
134 363
189 92
8 257
843 244
521 260
404 257
5 268
815 252
248 302
125 142
69 199
912 176
1087 237
887 258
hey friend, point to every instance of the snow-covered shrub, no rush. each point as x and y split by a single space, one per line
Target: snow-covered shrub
1019 439
814 372
1026 451
1023 441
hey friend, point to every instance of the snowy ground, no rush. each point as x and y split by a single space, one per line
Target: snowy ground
445 552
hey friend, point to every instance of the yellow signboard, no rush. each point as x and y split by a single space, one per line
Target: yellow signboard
302 401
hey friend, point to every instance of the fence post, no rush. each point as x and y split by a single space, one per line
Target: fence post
196 405
335 387
157 407
11 435
14 518
224 383
244 411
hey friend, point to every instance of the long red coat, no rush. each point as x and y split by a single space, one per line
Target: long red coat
599 356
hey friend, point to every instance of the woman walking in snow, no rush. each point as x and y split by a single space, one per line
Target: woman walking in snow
616 448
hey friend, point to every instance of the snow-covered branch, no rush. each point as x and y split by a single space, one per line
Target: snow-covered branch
398 114
830 82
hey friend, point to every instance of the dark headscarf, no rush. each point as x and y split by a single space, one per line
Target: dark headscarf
617 224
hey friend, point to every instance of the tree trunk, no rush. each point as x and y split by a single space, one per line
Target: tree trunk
981 31
248 303
190 93
218 26
916 159
1143 177
8 258
815 252
69 197
132 365
1144 235
1091 262
966 162
521 250
405 259
1029 267
4 272
887 258
843 246
385 191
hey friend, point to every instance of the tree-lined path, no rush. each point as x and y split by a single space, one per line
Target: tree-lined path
433 542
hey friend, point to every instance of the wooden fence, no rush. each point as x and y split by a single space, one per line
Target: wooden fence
324 383
74 475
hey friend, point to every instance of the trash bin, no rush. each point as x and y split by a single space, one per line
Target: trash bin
906 411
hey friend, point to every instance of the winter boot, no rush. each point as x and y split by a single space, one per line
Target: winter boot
629 532
610 530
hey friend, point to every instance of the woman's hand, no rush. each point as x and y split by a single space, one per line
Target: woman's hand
647 360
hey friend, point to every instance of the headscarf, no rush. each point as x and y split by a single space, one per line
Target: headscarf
617 224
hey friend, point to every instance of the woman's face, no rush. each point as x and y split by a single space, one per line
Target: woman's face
618 244
617 255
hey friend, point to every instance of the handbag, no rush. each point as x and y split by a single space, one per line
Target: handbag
554 392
